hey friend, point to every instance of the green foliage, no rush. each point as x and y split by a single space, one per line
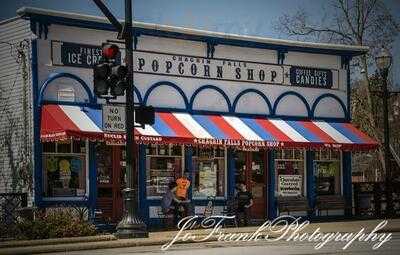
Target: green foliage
55 224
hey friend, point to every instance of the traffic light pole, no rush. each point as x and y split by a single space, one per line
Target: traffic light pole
131 225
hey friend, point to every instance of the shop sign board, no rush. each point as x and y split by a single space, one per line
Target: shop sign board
175 65
166 64
311 77
113 118
76 54
210 69
289 185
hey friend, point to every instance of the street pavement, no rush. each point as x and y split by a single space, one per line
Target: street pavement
250 248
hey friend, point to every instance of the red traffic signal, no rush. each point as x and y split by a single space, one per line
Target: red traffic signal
110 51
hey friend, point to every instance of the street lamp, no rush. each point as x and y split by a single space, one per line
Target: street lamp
383 62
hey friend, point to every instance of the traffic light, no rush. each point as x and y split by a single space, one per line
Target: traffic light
145 115
108 76
118 79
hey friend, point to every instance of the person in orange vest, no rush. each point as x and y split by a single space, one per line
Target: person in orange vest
181 193
182 186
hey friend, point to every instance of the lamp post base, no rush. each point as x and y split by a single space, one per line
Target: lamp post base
131 226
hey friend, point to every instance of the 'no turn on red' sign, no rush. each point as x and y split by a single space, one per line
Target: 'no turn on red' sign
114 118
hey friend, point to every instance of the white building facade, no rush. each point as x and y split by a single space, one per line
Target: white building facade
273 114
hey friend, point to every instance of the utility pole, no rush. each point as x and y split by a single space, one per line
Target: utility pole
131 225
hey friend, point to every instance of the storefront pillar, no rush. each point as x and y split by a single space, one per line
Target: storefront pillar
347 185
310 180
92 180
143 210
231 172
272 213
189 167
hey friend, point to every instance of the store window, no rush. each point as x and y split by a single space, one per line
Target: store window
290 165
64 168
164 164
327 172
209 166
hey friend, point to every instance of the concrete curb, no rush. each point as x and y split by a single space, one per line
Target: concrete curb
91 246
161 238
97 238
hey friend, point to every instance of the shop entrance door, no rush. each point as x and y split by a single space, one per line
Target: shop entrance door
110 166
251 170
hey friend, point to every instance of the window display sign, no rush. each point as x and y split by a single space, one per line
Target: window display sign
289 185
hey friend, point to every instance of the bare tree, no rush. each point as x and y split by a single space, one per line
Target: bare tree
352 22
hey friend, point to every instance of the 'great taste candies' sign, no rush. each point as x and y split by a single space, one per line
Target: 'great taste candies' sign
310 77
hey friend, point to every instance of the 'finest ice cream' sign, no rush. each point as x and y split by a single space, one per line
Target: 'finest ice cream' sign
76 54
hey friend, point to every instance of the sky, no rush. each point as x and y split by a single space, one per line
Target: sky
247 17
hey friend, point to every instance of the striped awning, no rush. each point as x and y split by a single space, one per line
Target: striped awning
63 122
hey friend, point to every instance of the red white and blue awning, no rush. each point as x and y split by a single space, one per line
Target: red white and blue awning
64 122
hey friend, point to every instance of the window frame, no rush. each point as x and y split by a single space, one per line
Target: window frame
304 176
225 175
157 155
340 160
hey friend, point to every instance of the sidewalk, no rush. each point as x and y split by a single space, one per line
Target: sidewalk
160 238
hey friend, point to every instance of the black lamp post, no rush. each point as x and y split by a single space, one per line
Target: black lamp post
383 62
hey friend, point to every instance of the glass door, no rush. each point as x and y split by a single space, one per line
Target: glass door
250 168
257 183
240 168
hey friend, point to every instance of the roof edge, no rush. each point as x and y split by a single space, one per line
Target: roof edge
344 49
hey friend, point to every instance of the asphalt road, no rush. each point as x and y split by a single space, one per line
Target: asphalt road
260 247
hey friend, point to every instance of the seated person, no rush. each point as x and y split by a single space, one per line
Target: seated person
169 199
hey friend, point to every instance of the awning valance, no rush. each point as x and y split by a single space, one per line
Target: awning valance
62 122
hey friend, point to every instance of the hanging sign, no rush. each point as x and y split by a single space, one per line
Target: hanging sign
289 185
311 77
114 118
